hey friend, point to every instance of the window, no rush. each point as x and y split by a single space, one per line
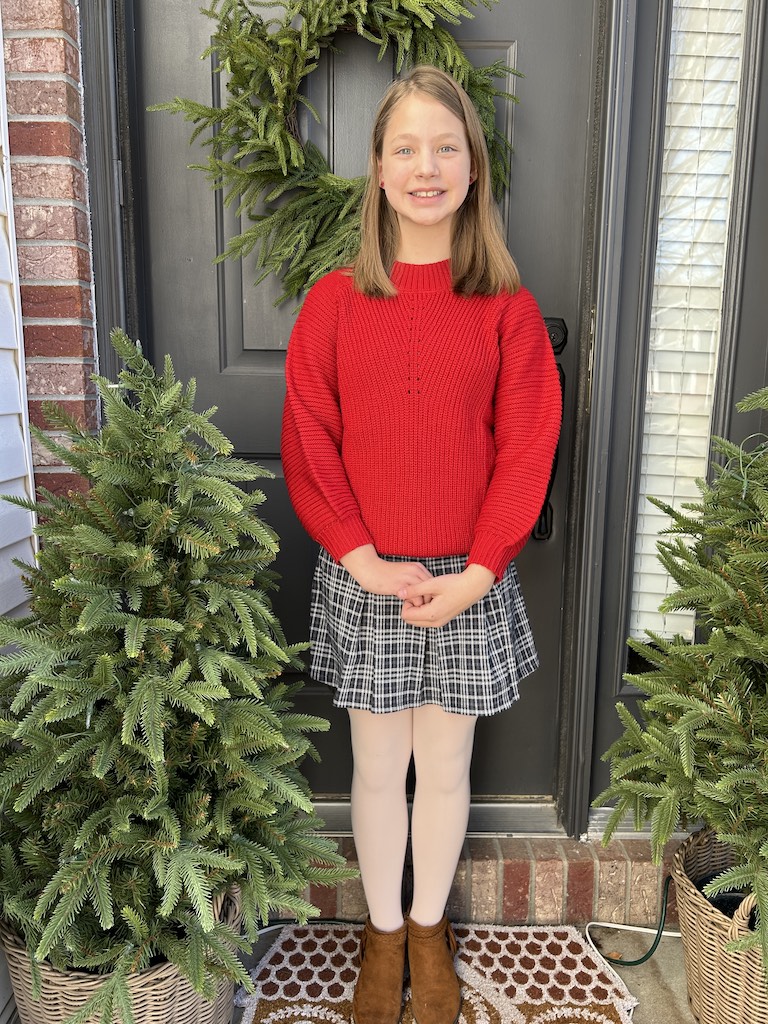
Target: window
696 190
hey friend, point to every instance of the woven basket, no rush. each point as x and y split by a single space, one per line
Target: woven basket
161 995
723 988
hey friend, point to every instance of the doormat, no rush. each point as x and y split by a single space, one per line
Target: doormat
509 975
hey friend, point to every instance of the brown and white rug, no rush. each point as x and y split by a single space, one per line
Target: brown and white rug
509 975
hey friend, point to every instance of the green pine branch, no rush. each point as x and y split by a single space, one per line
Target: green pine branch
150 757
697 749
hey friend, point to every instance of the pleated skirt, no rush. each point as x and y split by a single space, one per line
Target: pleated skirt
376 662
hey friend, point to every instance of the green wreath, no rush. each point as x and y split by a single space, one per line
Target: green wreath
305 220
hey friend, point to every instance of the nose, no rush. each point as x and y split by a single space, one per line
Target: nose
427 164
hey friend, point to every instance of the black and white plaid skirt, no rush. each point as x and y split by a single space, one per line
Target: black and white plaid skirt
377 662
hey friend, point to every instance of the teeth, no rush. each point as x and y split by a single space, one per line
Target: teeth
428 195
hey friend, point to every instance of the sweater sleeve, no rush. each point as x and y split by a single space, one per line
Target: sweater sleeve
527 415
312 427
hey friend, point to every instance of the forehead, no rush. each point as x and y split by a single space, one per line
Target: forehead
419 114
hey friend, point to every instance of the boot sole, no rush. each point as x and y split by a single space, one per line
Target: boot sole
353 1021
399 1016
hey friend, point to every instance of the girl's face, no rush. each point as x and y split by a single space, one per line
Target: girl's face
425 168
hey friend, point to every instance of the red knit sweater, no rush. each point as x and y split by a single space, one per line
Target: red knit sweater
424 424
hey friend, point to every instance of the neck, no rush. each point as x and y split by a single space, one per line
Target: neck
424 244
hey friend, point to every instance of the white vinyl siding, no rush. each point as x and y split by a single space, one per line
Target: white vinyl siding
696 189
15 455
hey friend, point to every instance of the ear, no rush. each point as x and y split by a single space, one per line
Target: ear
379 165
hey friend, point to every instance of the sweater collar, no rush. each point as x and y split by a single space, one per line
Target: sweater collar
422 277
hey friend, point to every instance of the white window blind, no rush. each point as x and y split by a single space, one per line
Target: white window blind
695 200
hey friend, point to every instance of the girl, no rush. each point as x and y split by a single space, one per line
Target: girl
421 418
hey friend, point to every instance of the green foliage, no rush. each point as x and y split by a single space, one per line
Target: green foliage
699 750
149 755
305 219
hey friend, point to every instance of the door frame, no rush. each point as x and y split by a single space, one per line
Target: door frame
108 59
624 284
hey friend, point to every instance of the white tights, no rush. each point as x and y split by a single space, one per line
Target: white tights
441 744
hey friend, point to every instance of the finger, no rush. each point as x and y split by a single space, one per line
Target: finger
420 616
423 589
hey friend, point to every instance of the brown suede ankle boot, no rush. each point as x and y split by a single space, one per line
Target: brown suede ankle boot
435 992
378 997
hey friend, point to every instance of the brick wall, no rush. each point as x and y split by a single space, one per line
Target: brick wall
44 90
536 881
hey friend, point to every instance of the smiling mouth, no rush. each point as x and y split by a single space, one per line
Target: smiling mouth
428 194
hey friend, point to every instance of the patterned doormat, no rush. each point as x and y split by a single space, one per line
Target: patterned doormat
536 975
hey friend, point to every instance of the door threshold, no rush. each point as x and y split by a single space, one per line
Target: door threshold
519 818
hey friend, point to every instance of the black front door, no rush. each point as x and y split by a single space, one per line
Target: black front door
225 332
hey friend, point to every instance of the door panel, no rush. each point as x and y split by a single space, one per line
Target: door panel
227 333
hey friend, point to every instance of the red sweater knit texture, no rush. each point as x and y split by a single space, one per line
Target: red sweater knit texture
424 424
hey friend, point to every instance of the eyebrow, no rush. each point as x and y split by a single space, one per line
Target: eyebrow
443 135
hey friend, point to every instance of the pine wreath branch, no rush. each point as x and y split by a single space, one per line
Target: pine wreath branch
306 220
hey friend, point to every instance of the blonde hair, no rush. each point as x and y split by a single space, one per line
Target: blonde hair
480 261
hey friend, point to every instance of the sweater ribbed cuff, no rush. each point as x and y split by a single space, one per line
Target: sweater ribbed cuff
494 552
344 536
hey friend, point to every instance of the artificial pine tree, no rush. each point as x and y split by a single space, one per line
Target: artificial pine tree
149 755
699 750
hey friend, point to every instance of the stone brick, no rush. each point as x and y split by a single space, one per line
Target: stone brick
48 181
83 410
643 883
53 262
351 900
485 880
25 55
325 899
69 301
459 902
612 886
43 222
43 98
61 482
673 913
40 454
20 15
516 865
60 379
670 849
59 340
549 881
580 883
45 138
347 849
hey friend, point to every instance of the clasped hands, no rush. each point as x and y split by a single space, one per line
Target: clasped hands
427 600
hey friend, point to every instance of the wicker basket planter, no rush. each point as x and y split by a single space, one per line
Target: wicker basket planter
723 988
160 994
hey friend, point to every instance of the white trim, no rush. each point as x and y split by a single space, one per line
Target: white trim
15 289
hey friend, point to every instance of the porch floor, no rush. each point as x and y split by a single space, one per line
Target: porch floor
659 984
558 881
